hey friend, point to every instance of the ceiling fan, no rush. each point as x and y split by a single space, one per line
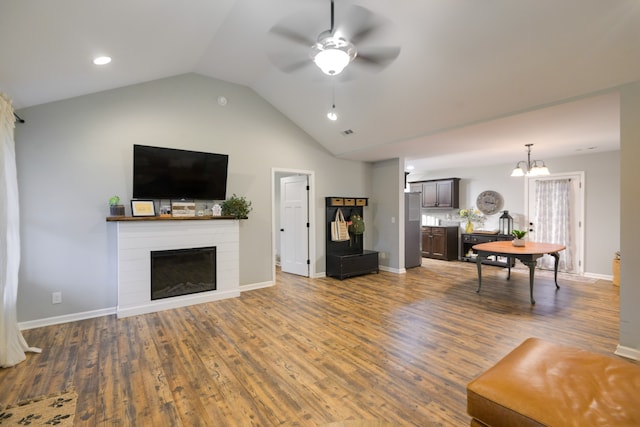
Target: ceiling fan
333 50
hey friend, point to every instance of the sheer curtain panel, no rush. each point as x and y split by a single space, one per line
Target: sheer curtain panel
12 344
553 221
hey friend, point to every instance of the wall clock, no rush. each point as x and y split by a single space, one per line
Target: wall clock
489 202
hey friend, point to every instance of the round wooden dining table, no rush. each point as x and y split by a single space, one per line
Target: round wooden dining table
527 254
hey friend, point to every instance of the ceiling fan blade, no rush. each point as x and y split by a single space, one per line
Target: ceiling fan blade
379 57
287 63
295 66
359 24
292 36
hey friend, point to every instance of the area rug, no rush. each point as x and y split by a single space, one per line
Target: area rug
58 410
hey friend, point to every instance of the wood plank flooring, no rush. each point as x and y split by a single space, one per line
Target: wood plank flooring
390 349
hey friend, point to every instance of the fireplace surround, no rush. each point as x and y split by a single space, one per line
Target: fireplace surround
137 237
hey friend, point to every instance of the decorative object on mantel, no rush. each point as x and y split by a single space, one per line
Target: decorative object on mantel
115 208
471 215
165 211
143 208
530 167
519 238
183 209
237 207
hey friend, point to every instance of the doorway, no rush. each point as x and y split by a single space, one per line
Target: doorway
555 214
293 215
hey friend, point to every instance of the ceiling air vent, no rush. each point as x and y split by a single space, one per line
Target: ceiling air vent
347 132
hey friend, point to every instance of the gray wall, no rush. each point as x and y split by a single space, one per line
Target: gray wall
387 205
630 206
73 155
602 199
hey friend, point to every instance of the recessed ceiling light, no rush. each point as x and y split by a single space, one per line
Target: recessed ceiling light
410 168
102 60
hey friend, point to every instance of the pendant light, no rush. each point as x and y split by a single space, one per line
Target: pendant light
530 167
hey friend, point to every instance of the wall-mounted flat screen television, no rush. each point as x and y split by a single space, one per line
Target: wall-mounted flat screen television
169 173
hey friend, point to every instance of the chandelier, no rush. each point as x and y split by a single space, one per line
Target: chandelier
530 167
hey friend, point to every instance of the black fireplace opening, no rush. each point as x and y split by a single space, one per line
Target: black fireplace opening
182 272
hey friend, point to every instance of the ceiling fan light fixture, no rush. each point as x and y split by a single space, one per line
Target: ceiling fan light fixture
333 54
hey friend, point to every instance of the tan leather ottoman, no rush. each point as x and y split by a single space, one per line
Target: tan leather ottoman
544 384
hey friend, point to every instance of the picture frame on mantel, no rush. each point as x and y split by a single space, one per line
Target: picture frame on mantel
143 208
183 208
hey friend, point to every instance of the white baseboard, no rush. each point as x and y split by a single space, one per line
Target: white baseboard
31 324
381 267
56 320
599 276
392 270
628 352
254 286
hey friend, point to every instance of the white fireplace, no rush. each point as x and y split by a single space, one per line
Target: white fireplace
137 238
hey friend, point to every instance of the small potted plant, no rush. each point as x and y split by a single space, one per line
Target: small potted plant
519 237
237 207
115 208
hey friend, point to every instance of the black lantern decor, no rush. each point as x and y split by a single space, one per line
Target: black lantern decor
505 223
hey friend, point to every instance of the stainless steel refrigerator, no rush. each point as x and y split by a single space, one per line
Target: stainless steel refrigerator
412 230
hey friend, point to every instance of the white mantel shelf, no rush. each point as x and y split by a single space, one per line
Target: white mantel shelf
167 218
138 236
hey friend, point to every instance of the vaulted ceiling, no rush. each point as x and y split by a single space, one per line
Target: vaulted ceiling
473 81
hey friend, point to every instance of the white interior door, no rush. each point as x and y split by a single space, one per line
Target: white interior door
555 214
294 225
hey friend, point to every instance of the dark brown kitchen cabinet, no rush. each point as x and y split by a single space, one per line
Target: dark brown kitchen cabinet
415 187
440 243
441 193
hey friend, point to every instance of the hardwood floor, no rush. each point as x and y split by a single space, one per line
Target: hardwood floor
387 348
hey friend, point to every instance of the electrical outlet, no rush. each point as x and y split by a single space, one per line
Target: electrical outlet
56 298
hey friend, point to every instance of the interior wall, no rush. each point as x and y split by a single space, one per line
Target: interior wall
387 205
73 155
630 206
602 204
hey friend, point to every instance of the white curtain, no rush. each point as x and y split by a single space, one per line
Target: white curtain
553 220
12 344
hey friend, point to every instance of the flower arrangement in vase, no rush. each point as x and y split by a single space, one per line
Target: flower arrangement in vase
471 215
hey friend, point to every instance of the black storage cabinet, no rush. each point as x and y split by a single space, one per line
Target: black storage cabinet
348 258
